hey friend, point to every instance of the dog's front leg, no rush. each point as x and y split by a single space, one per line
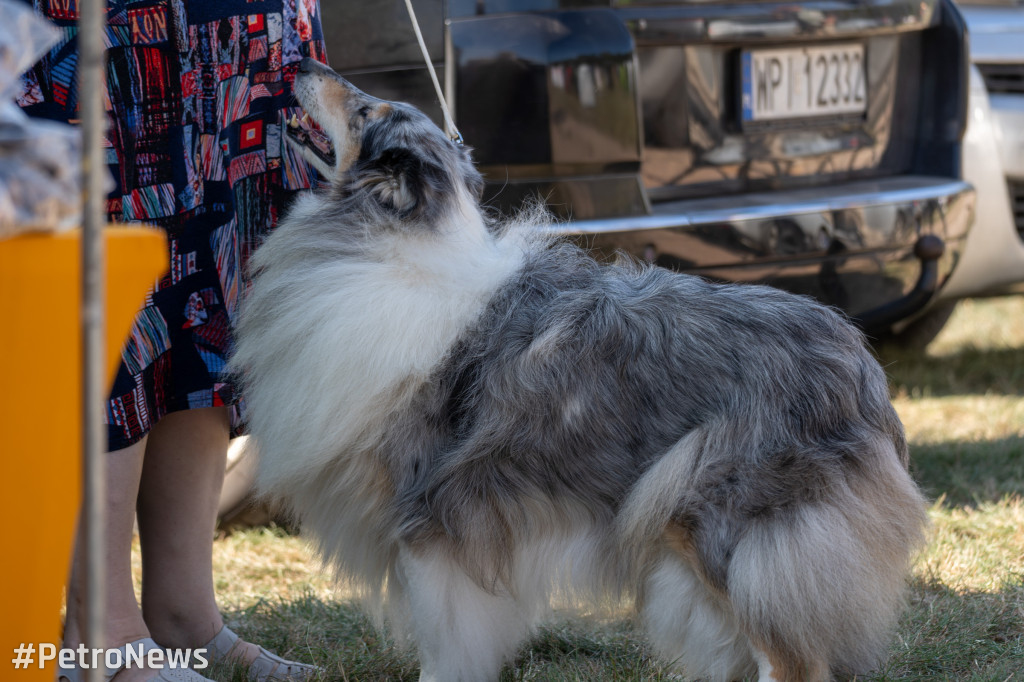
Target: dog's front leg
462 632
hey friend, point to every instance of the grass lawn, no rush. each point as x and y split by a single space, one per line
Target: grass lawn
963 406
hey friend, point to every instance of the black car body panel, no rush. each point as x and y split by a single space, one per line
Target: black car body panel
628 119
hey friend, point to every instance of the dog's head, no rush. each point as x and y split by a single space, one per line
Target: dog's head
386 153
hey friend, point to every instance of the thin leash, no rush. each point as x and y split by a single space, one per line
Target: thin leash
449 124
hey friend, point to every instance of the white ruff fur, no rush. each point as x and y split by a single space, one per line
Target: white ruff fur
376 323
326 371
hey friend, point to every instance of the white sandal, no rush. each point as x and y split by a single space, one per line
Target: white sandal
266 667
140 646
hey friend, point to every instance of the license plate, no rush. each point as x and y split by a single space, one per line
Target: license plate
803 82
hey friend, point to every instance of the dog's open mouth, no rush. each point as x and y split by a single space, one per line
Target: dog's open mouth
306 134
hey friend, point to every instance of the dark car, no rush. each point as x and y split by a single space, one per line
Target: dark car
811 145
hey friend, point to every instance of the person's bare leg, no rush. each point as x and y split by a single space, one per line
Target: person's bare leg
124 622
177 511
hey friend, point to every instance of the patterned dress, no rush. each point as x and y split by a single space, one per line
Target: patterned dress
199 93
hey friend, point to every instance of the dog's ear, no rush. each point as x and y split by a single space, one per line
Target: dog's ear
401 182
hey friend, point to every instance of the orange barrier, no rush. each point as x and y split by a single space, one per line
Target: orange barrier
40 415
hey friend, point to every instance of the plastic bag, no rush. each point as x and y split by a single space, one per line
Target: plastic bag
40 161
24 39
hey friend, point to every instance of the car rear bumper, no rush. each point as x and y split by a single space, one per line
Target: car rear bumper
993 161
851 245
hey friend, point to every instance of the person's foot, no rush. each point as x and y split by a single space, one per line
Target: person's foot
263 665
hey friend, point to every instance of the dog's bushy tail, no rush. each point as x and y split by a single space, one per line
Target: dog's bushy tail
821 587
811 587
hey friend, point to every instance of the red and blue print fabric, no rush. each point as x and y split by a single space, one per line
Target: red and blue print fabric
198 95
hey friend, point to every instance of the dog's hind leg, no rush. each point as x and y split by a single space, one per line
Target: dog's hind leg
690 626
462 632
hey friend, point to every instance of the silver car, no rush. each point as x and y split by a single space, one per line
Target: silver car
992 260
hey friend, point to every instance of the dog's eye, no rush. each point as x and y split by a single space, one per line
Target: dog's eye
364 112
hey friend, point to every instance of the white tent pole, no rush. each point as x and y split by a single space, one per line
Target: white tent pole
91 75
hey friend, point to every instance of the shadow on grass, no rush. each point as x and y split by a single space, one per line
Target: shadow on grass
968 372
345 644
945 634
956 634
970 473
587 650
335 636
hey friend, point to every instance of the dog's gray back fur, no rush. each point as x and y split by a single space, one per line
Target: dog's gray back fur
579 376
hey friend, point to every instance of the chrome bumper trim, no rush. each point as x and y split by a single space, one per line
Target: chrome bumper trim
770 205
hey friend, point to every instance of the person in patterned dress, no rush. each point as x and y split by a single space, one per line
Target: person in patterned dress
198 96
